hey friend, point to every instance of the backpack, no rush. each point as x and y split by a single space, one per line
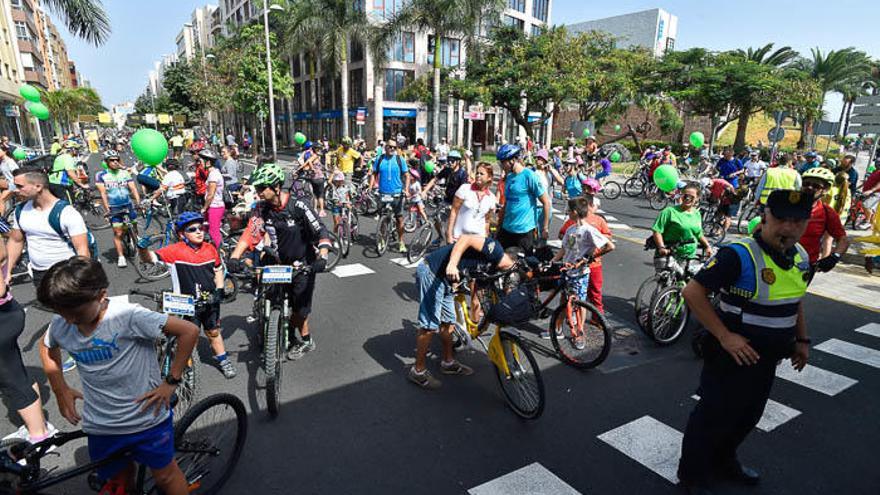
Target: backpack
399 163
55 223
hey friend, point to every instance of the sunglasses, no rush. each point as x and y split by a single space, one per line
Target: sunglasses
112 160
261 188
192 229
689 196
814 185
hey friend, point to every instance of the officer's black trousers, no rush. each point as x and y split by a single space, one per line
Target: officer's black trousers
732 400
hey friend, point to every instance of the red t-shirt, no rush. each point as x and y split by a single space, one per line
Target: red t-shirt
718 187
822 219
201 179
871 181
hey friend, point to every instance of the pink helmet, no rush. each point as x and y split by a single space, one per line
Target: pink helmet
542 154
592 184
414 172
338 176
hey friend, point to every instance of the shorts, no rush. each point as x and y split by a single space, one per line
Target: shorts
299 294
150 183
870 202
153 447
118 214
207 318
524 241
318 188
580 285
398 204
15 383
436 303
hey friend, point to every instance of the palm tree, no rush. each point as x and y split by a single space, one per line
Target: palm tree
85 19
443 19
834 69
775 59
335 24
66 104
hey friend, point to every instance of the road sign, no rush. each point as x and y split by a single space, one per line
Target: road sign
867 100
475 116
88 119
865 129
826 128
776 134
150 118
104 118
361 116
865 119
164 118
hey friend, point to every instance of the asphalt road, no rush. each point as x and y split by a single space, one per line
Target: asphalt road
351 423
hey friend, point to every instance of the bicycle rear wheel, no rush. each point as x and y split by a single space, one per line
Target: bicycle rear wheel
209 440
523 386
420 242
334 253
658 200
633 187
383 233
642 304
411 221
611 190
595 336
343 234
715 232
669 315
95 217
272 358
147 269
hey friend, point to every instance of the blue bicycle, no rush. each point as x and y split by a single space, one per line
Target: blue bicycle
153 217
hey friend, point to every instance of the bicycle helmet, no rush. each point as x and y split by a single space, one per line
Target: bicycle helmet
454 155
820 173
592 184
338 175
346 141
508 152
187 218
269 174
209 155
196 146
70 145
307 145
111 154
414 172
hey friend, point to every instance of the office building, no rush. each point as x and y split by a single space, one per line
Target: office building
653 29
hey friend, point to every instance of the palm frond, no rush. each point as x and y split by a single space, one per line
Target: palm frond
85 19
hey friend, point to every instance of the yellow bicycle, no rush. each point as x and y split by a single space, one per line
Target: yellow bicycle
515 366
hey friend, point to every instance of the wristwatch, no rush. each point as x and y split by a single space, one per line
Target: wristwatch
170 380
804 340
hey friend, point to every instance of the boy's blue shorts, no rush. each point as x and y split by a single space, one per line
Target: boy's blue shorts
153 448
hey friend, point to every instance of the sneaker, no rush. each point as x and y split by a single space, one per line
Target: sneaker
456 368
401 247
300 349
68 365
580 343
228 369
424 380
121 262
545 335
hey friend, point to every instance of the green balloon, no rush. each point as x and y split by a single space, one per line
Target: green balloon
697 139
38 110
615 157
753 223
666 178
300 138
19 154
29 93
586 132
617 128
150 146
429 167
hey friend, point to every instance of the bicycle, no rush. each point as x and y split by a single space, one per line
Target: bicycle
412 219
200 443
424 236
129 231
611 189
666 274
272 311
858 214
184 307
713 222
91 208
346 229
158 270
386 228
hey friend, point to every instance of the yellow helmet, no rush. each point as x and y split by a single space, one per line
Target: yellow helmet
820 173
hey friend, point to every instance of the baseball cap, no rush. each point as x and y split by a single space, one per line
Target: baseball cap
786 203
810 154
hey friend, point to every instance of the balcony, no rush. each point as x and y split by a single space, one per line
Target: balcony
28 46
37 78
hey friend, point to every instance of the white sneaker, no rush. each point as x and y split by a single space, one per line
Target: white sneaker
121 262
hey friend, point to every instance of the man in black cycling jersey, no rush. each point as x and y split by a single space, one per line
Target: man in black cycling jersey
293 229
196 270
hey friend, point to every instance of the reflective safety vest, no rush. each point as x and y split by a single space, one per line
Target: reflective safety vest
58 174
778 178
766 295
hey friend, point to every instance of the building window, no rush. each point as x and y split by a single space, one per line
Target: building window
296 70
395 81
536 29
517 5
450 51
513 21
356 88
387 8
403 48
539 9
357 51
670 45
22 31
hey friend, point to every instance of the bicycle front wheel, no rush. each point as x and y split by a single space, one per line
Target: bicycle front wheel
669 315
209 440
272 357
715 232
95 216
642 304
383 234
343 234
611 190
522 384
411 222
420 242
746 216
633 187
580 335
149 270
334 253
658 201
187 391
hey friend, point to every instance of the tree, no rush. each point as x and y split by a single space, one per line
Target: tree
337 23
85 19
443 19
66 104
762 91
179 82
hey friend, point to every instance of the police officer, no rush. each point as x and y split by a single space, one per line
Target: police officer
759 322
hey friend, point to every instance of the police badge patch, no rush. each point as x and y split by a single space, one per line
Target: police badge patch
768 276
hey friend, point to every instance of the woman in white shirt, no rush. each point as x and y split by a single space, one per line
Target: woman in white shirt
173 186
471 205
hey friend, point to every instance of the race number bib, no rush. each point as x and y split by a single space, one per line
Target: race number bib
276 274
387 198
178 304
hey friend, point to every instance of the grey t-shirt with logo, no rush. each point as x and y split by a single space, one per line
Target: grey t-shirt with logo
117 364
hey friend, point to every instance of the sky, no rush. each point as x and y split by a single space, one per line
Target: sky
144 30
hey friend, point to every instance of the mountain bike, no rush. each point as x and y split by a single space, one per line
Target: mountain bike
90 206
152 218
129 231
667 312
208 442
713 222
386 228
858 214
665 274
431 233
184 307
365 200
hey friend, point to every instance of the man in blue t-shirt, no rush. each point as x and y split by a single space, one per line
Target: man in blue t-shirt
811 162
389 172
730 168
522 191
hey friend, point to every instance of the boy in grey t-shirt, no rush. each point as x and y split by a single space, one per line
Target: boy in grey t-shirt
125 401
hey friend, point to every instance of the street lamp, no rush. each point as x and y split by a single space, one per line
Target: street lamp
266 9
205 58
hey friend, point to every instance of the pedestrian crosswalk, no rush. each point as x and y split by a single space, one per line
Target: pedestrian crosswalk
533 479
657 446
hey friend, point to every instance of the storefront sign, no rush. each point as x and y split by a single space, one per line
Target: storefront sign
399 112
12 110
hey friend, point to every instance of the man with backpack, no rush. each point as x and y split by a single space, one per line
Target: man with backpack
389 170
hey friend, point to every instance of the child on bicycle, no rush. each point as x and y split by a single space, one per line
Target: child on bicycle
415 193
581 243
117 188
340 196
594 291
126 405
196 270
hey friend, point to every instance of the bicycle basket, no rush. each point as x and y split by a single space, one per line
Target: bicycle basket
518 306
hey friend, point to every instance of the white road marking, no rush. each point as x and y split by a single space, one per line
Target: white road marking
123 298
554 243
815 378
404 262
352 270
870 329
619 226
853 352
650 443
775 415
533 479
561 217
554 210
610 218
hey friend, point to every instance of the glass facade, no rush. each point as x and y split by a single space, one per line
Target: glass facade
404 48
540 9
395 81
450 51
